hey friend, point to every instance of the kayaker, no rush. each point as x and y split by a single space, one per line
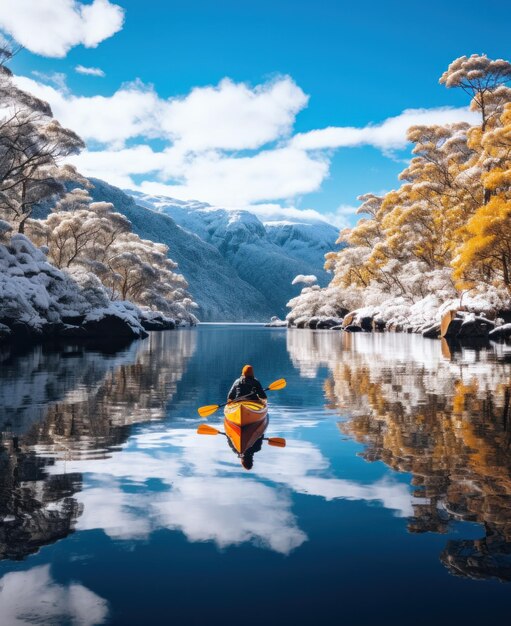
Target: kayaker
247 386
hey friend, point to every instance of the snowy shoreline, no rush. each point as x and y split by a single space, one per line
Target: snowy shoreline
450 321
40 303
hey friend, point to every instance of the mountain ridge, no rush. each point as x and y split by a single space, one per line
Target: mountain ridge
238 267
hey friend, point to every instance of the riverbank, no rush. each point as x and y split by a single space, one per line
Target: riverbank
39 303
469 318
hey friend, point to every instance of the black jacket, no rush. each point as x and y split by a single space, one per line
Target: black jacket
249 387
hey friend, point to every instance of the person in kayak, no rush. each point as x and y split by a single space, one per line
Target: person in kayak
247 386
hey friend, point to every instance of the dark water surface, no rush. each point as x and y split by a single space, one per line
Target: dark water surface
391 503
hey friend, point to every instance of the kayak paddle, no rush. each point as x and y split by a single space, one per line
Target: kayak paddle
206 411
205 429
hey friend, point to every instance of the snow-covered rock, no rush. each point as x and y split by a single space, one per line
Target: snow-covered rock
323 322
37 299
154 320
275 322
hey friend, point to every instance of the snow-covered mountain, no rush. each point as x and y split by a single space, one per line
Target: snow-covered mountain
238 267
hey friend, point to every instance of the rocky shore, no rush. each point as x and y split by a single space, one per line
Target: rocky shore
457 324
39 302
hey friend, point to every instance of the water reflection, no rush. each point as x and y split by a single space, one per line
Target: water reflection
60 407
33 597
245 441
442 416
82 466
35 509
86 404
199 488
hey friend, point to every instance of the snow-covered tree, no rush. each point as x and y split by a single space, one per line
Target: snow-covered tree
484 80
484 255
92 236
32 145
452 210
315 301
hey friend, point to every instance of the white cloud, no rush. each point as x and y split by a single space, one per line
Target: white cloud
89 71
132 111
343 216
239 181
388 135
229 116
33 597
230 511
227 145
233 116
205 494
117 166
52 27
232 182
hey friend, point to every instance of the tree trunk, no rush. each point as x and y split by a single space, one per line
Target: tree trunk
505 269
21 227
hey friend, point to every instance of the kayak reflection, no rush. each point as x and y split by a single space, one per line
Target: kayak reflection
245 424
245 441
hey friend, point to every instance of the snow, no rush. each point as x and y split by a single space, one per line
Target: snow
35 293
266 256
238 268
397 312
306 280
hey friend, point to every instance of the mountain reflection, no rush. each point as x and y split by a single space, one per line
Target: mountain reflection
444 418
72 405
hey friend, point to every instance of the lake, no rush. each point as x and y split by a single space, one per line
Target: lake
390 504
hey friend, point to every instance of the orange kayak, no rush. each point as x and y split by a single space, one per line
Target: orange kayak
245 412
244 437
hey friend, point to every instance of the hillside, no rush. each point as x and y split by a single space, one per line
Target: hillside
238 268
266 255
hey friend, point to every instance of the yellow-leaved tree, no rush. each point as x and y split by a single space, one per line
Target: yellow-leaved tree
484 255
448 225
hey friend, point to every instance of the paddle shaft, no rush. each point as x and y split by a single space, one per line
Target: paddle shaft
205 411
204 429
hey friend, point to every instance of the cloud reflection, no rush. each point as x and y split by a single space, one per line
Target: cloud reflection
203 492
33 597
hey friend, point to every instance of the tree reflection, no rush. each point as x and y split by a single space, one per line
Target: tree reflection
444 418
35 509
73 405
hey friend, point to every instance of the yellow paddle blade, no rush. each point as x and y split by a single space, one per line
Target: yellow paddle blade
278 384
204 411
204 429
279 442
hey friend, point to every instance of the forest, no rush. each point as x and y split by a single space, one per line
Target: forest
441 241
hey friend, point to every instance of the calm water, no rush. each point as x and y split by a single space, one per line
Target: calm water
391 503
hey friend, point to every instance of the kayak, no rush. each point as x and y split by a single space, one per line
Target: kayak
245 412
244 437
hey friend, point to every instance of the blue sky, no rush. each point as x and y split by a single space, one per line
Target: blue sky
330 64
